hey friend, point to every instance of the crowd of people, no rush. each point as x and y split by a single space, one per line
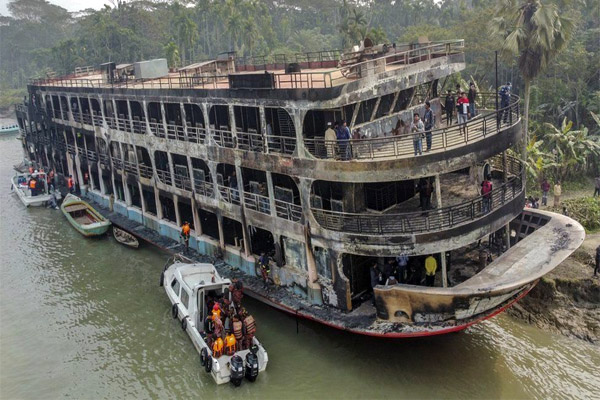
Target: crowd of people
404 270
458 105
229 327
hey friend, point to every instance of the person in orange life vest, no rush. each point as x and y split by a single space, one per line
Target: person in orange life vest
217 347
71 184
33 186
486 192
230 344
185 235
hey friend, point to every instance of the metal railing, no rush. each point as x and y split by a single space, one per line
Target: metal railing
229 195
164 176
71 148
145 171
431 220
289 211
139 126
182 182
310 80
157 129
204 188
250 141
129 166
196 134
487 123
103 158
257 202
175 132
117 163
223 137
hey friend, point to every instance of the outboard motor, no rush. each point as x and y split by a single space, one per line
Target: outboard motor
251 366
236 370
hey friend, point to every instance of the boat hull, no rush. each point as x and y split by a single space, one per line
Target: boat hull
28 200
88 230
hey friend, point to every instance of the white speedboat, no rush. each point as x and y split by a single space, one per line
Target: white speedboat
39 196
188 287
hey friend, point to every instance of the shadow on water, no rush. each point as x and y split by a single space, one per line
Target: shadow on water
86 319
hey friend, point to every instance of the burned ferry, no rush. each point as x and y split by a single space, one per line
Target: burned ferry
237 147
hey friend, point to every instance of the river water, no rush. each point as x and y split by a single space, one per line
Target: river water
86 319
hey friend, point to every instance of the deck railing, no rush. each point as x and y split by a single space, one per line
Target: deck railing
309 80
487 123
130 167
229 195
289 211
157 128
117 163
182 182
204 188
257 202
428 221
223 137
164 176
145 171
196 134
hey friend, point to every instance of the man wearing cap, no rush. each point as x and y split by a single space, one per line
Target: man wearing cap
330 140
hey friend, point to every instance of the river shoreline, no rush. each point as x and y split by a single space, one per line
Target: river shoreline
567 300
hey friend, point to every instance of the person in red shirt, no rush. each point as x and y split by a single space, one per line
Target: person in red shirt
462 106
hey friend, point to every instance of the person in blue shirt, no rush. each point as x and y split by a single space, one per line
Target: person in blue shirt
343 138
504 102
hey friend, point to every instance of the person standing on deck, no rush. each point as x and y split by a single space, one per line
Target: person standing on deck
486 193
504 102
265 269
343 139
472 96
428 121
557 194
462 106
402 261
417 128
430 269
449 104
330 139
185 235
545 186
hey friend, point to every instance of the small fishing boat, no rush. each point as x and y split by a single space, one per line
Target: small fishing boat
83 217
192 289
125 238
38 195
9 129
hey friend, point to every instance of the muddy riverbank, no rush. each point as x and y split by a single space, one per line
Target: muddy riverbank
567 300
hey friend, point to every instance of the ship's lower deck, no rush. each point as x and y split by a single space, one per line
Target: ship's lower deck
433 310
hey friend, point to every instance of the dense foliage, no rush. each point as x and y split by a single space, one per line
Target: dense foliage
38 37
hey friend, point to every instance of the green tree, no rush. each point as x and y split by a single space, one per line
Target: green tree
172 53
534 33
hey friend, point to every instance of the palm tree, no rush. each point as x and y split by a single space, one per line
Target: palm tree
172 52
534 33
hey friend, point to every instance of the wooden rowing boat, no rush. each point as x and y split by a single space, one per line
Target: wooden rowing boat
125 238
83 217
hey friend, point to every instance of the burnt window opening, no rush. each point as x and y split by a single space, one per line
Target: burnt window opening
182 175
280 130
322 262
122 109
233 232
154 112
255 183
149 199
79 141
85 106
95 177
247 119
315 122
261 241
115 150
201 178
109 111
108 187
90 142
64 105
357 270
404 99
381 196
218 117
173 114
95 107
167 206
137 115
385 105
327 196
193 115
136 197
209 224
48 101
119 192
226 176
143 156
365 111
285 189
56 107
185 211
161 160
74 104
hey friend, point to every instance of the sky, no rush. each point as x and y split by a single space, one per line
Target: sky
71 5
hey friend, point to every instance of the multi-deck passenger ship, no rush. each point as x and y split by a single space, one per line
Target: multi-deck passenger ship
236 147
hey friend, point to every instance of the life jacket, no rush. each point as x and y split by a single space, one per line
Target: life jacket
70 183
217 348
237 330
32 183
216 313
185 230
486 187
230 344
250 325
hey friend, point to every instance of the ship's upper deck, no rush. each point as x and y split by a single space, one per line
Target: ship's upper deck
320 70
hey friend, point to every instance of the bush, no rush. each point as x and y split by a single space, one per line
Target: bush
585 210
